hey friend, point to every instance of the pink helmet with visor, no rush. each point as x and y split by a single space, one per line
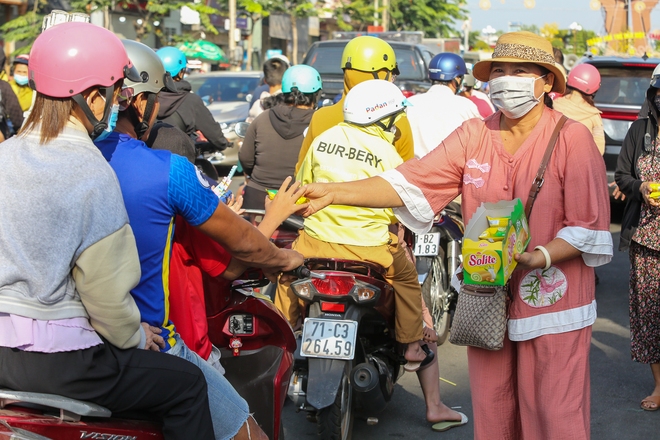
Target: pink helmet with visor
585 78
69 58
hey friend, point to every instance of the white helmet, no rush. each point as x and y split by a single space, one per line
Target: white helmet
655 77
373 100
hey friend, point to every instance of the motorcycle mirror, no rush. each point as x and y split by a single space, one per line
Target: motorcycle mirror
241 128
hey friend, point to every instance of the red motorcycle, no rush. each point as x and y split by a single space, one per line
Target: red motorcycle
257 347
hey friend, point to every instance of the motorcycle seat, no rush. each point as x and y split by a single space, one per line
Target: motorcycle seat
70 409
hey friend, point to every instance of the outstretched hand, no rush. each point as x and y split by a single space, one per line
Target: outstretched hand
319 196
284 203
236 204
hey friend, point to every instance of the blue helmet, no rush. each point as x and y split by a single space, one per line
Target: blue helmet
446 66
173 59
302 77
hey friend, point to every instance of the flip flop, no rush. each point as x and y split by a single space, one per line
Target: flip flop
411 366
651 399
448 424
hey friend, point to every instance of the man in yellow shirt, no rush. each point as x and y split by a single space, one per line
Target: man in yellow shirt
364 58
19 82
359 148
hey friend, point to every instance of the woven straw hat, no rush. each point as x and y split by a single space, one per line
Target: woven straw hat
522 47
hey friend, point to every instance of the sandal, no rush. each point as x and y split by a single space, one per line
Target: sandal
448 424
655 400
411 366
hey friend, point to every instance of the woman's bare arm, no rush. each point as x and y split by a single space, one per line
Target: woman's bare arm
373 192
245 242
559 250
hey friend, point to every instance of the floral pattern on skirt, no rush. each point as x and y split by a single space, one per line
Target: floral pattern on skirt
644 304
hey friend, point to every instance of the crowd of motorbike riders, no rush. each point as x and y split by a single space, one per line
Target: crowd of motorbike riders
84 289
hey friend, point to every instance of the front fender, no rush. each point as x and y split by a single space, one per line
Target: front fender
323 380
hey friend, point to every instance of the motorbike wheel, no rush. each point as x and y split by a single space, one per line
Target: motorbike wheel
435 291
336 421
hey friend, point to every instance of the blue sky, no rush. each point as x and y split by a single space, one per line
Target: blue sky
562 12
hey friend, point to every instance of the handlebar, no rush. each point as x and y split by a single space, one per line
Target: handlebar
304 272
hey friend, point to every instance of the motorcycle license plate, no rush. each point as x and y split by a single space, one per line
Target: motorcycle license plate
326 338
426 245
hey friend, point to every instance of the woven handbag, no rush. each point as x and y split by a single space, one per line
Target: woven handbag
480 318
481 315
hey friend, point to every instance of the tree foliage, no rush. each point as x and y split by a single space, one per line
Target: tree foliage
149 12
355 15
25 28
530 28
481 45
157 10
570 41
434 17
255 9
549 31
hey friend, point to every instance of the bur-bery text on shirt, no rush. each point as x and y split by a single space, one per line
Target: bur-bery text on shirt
349 153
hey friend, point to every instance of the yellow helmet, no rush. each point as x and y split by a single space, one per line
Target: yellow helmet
369 54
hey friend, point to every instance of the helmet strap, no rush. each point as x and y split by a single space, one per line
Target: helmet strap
141 125
387 75
390 122
457 83
98 126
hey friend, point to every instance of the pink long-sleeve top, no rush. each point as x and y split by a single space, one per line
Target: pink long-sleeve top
573 204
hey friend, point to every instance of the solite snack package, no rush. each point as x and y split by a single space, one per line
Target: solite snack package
505 232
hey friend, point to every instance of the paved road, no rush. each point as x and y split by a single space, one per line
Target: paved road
618 384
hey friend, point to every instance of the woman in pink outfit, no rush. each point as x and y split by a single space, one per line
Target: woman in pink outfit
537 386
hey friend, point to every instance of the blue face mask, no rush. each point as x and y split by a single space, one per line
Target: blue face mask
21 80
112 123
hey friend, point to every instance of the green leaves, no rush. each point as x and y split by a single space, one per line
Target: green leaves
352 14
25 28
434 17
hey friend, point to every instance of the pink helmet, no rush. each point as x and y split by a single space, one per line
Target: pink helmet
71 57
585 78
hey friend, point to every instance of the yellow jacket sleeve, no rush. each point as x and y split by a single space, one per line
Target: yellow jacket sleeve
305 167
404 145
306 143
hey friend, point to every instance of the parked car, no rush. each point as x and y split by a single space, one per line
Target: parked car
413 60
227 95
624 82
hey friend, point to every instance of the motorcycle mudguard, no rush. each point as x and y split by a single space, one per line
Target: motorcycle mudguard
324 377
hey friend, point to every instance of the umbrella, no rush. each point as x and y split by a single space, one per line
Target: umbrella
203 49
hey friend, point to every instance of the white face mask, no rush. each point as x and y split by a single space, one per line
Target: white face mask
514 95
